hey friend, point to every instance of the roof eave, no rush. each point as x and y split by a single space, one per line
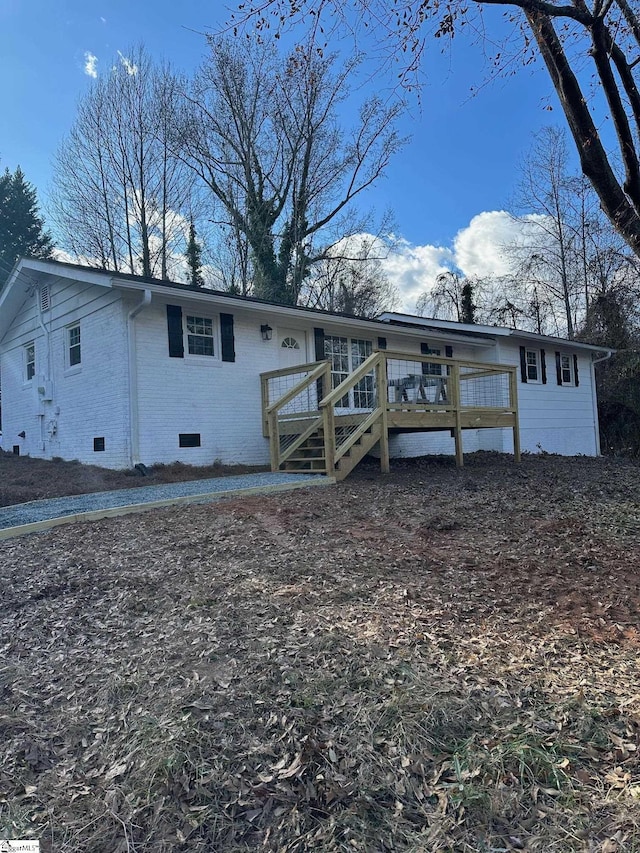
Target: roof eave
291 311
559 342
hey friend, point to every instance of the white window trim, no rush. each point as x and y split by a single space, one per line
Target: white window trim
216 358
27 380
68 367
572 379
538 380
357 390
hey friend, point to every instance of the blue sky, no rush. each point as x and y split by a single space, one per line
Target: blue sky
462 159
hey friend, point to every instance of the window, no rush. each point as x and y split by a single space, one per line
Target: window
346 354
566 369
430 368
203 335
533 365
199 335
73 345
290 343
30 361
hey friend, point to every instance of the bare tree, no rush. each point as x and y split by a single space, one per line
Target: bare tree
579 41
567 251
263 135
549 249
351 279
120 193
456 297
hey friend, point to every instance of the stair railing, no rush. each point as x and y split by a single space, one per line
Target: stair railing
340 437
292 408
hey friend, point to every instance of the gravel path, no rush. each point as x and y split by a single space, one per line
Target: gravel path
42 511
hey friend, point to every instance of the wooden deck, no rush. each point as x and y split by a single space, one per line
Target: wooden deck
313 426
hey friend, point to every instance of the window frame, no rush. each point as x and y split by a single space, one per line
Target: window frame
571 380
72 345
344 351
537 380
214 337
296 343
29 363
431 368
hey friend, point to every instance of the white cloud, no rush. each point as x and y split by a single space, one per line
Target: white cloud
90 63
479 249
414 269
129 66
104 20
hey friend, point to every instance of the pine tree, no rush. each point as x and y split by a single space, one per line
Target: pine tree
194 259
468 309
21 226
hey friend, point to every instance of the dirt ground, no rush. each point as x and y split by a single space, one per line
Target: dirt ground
25 479
433 660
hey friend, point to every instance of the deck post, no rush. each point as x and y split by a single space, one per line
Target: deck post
329 426
454 381
381 380
274 441
513 403
264 393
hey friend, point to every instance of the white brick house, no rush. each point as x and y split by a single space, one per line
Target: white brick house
114 369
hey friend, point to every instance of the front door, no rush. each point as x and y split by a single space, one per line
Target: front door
292 347
292 350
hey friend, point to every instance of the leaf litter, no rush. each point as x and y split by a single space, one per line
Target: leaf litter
435 660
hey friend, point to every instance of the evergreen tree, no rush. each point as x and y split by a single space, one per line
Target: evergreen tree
468 309
21 226
194 259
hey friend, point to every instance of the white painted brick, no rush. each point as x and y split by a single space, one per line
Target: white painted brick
219 400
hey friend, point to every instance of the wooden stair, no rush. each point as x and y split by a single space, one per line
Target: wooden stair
310 457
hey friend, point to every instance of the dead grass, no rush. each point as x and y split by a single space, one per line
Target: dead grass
25 479
432 661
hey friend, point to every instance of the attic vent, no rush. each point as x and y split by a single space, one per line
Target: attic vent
44 298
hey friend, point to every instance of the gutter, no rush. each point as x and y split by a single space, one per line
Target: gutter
134 436
295 313
594 398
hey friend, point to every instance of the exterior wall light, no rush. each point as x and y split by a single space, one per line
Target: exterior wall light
266 331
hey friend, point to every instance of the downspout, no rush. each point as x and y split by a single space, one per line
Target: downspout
594 398
134 438
46 392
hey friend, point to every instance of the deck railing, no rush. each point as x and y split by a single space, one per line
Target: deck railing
290 406
391 389
362 404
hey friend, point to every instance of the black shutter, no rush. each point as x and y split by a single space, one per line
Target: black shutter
523 364
575 370
543 365
448 351
174 329
318 337
382 343
558 369
226 337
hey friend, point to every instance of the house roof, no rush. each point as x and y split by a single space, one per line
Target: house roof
430 323
29 273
